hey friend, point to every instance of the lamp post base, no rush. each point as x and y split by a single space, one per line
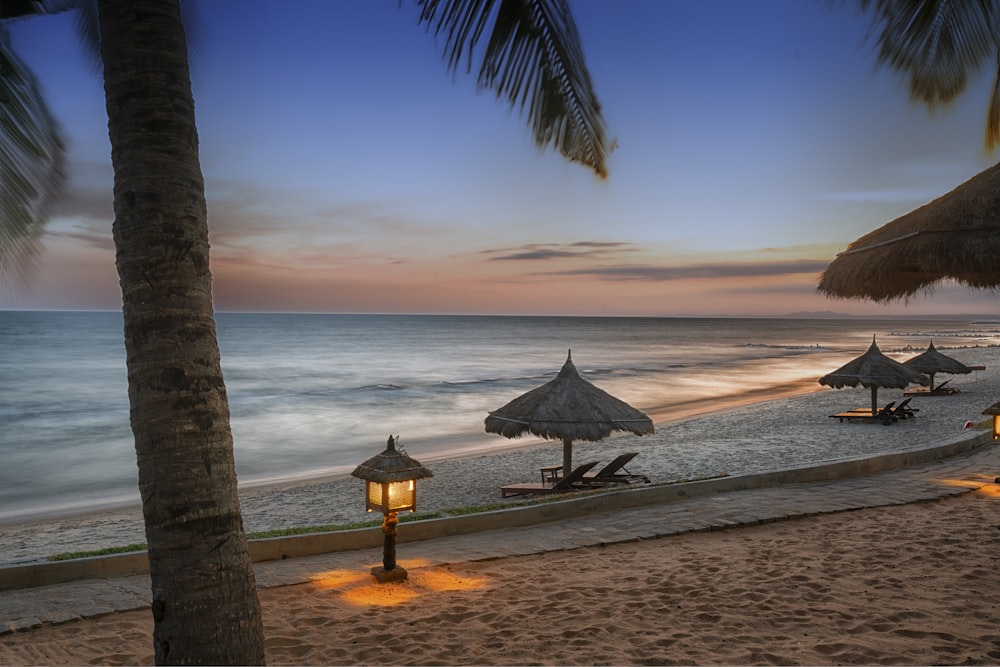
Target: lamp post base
383 575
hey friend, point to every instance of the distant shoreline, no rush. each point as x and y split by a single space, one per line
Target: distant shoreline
756 434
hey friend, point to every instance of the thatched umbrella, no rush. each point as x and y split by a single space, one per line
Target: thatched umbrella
932 361
873 370
567 408
956 236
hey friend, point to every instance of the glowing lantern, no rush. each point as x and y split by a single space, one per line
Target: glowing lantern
390 487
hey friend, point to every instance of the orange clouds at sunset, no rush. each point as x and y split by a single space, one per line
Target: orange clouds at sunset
347 171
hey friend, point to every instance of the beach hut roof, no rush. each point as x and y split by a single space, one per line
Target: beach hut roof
873 369
956 236
932 361
567 408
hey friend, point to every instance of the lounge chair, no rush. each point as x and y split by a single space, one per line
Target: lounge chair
569 482
903 410
883 416
940 390
609 474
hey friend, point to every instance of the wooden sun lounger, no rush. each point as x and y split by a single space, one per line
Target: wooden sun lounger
884 415
609 474
569 482
940 390
903 410
851 415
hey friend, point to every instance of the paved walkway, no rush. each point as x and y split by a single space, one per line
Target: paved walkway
28 608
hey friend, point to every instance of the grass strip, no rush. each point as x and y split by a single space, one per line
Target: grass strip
309 530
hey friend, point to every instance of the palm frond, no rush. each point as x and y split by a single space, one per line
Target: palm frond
993 113
935 44
31 166
534 60
89 31
12 9
85 19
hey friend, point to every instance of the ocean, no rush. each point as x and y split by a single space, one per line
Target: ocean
314 395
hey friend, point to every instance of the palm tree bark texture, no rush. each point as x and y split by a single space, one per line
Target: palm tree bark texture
205 605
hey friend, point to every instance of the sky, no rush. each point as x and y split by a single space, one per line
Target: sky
348 171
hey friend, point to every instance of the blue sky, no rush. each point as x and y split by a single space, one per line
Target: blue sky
347 171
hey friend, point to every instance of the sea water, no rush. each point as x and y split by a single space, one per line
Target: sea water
314 395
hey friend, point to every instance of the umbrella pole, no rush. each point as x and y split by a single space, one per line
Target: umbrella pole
567 456
874 401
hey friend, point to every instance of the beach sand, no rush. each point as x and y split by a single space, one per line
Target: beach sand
912 584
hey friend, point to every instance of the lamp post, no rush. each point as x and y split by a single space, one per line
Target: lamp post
390 488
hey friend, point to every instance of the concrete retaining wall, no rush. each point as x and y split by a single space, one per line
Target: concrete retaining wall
24 576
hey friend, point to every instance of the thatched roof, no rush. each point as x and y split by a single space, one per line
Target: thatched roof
873 369
956 236
931 361
391 466
567 408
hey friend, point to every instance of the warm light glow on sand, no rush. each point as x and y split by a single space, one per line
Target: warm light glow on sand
981 482
992 490
380 595
337 579
360 588
442 580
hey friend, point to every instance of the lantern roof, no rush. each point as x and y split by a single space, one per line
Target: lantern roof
391 465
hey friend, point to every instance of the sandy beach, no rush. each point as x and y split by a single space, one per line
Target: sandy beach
908 585
911 584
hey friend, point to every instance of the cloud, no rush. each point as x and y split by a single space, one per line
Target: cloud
547 251
280 220
89 194
757 290
83 236
704 271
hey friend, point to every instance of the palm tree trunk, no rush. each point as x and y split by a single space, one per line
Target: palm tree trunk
205 605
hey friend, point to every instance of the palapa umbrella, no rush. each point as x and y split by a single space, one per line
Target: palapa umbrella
873 370
567 408
931 361
956 236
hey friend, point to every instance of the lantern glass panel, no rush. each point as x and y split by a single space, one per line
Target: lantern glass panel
374 496
996 427
402 495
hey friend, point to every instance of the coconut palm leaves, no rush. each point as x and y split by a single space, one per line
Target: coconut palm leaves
31 165
533 59
31 146
936 45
